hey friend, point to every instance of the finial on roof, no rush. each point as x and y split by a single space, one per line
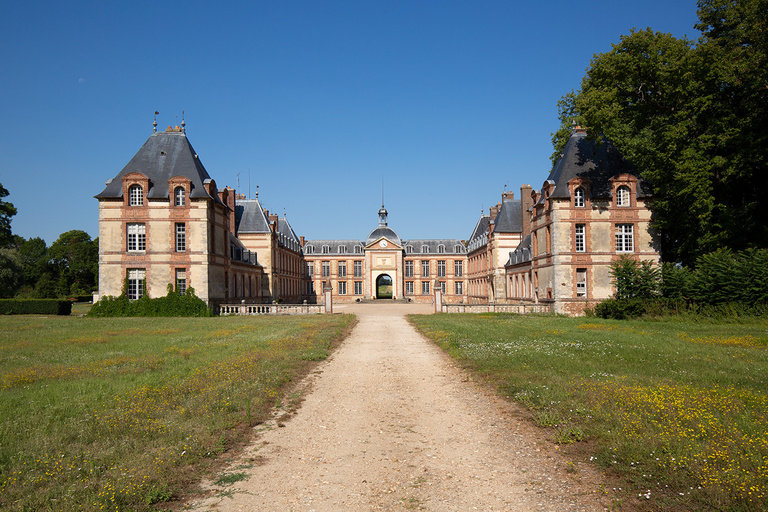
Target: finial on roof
154 122
183 124
256 196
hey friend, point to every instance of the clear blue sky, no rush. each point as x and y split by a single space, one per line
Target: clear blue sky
316 102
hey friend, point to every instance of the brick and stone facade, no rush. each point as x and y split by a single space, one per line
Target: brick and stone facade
162 221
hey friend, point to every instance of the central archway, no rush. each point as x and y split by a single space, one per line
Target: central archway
384 287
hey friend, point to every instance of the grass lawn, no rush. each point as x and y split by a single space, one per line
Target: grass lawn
676 412
128 413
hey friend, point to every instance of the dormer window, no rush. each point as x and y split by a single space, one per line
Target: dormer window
180 198
342 249
622 196
135 195
578 197
358 249
424 249
409 249
440 249
309 249
326 249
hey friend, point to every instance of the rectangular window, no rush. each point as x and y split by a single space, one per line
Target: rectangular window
310 287
181 280
459 287
409 268
342 287
181 237
358 287
326 269
136 277
580 242
425 287
137 238
424 268
458 268
581 282
624 241
409 287
440 268
358 268
442 287
342 269
310 269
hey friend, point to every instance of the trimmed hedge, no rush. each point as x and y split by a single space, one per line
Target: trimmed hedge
173 304
622 309
35 307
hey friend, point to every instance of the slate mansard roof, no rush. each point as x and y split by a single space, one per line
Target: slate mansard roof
510 218
163 156
433 246
595 160
334 247
250 217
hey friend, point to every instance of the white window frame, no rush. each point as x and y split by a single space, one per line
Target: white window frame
358 287
181 280
441 268
425 287
136 237
409 287
578 197
458 287
357 268
409 268
580 240
622 196
581 282
181 237
325 269
342 287
135 195
458 268
443 287
424 268
342 269
136 279
179 196
310 269
625 238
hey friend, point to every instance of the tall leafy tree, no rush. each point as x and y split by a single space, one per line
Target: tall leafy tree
691 118
11 273
7 210
75 259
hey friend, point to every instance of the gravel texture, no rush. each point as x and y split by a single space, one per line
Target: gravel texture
389 422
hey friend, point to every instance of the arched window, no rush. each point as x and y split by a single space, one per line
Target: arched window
622 196
179 195
135 195
578 197
440 249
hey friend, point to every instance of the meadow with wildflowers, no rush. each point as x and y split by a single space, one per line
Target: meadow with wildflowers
675 412
128 413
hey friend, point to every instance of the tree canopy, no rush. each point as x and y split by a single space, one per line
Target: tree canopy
691 118
7 210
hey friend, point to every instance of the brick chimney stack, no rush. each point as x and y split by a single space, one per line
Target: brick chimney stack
526 202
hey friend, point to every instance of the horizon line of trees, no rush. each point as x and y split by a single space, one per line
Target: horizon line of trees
31 269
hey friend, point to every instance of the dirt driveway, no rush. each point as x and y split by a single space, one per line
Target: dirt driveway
390 423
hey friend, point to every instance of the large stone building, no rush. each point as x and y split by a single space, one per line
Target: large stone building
163 222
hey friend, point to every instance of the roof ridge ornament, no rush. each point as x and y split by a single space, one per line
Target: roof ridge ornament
154 122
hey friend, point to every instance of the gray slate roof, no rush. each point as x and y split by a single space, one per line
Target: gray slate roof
163 156
347 246
383 231
521 254
250 217
432 246
509 219
597 161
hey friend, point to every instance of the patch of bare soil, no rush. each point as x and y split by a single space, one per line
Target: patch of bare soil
389 422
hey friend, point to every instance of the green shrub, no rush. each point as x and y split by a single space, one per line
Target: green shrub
620 309
173 304
35 307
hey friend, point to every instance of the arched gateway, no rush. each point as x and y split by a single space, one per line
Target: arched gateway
384 287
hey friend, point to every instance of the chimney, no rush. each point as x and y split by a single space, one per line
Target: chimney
526 202
301 239
494 210
508 196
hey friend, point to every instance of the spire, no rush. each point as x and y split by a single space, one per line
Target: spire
382 215
154 123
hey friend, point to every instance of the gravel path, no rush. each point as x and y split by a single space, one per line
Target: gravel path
390 423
